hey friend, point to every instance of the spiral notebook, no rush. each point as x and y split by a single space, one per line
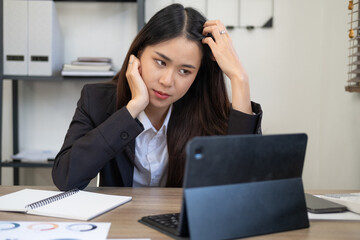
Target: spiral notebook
73 204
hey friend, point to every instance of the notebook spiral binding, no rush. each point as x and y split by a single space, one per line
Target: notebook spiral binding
51 199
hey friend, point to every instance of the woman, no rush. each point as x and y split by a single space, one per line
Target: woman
169 89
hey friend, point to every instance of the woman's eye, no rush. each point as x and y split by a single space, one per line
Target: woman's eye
161 63
184 71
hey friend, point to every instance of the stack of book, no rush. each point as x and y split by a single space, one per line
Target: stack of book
89 66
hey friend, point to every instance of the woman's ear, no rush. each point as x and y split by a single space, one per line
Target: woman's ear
140 69
138 55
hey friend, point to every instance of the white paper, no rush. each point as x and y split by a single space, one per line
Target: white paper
81 205
18 200
53 230
334 216
350 200
35 155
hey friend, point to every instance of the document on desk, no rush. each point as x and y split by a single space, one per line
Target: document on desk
74 204
343 216
350 200
54 230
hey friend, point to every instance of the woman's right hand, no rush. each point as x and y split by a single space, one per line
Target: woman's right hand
139 93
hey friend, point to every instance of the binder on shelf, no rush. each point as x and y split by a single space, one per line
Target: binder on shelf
32 38
45 41
15 27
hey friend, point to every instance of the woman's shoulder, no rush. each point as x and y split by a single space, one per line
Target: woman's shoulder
99 92
100 88
98 99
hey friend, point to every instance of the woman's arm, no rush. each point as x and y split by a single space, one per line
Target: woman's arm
225 55
89 144
242 123
245 116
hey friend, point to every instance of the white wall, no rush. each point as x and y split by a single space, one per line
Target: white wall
297 71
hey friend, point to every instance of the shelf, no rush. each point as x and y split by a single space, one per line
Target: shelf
352 88
15 165
55 78
19 164
94 0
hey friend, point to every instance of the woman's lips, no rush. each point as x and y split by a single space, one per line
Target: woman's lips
161 95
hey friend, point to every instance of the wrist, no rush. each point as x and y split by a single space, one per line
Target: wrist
135 107
241 94
240 77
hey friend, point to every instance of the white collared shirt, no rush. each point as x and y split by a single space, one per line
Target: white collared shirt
151 154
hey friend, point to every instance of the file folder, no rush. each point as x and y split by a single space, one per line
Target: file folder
15 37
33 42
45 44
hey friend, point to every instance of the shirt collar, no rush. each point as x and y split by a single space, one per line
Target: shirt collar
143 118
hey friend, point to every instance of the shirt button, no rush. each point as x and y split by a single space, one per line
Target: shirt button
124 135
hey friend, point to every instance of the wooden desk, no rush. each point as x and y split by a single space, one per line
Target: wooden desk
148 201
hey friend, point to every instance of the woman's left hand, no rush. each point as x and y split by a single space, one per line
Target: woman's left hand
224 53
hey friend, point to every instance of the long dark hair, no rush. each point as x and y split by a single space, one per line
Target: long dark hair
204 109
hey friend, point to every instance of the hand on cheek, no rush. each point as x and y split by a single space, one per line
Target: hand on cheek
139 93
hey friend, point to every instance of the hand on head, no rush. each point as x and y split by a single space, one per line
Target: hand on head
222 48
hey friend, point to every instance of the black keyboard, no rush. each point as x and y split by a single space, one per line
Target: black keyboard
168 222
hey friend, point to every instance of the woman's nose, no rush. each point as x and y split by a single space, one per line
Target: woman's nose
167 79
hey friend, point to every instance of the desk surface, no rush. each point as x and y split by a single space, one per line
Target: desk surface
150 201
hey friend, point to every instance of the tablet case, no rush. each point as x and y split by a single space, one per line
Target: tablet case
240 186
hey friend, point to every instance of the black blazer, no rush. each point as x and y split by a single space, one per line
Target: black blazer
102 139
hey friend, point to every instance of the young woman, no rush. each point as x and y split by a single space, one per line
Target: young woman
169 89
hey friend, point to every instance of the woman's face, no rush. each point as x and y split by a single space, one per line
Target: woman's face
168 70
